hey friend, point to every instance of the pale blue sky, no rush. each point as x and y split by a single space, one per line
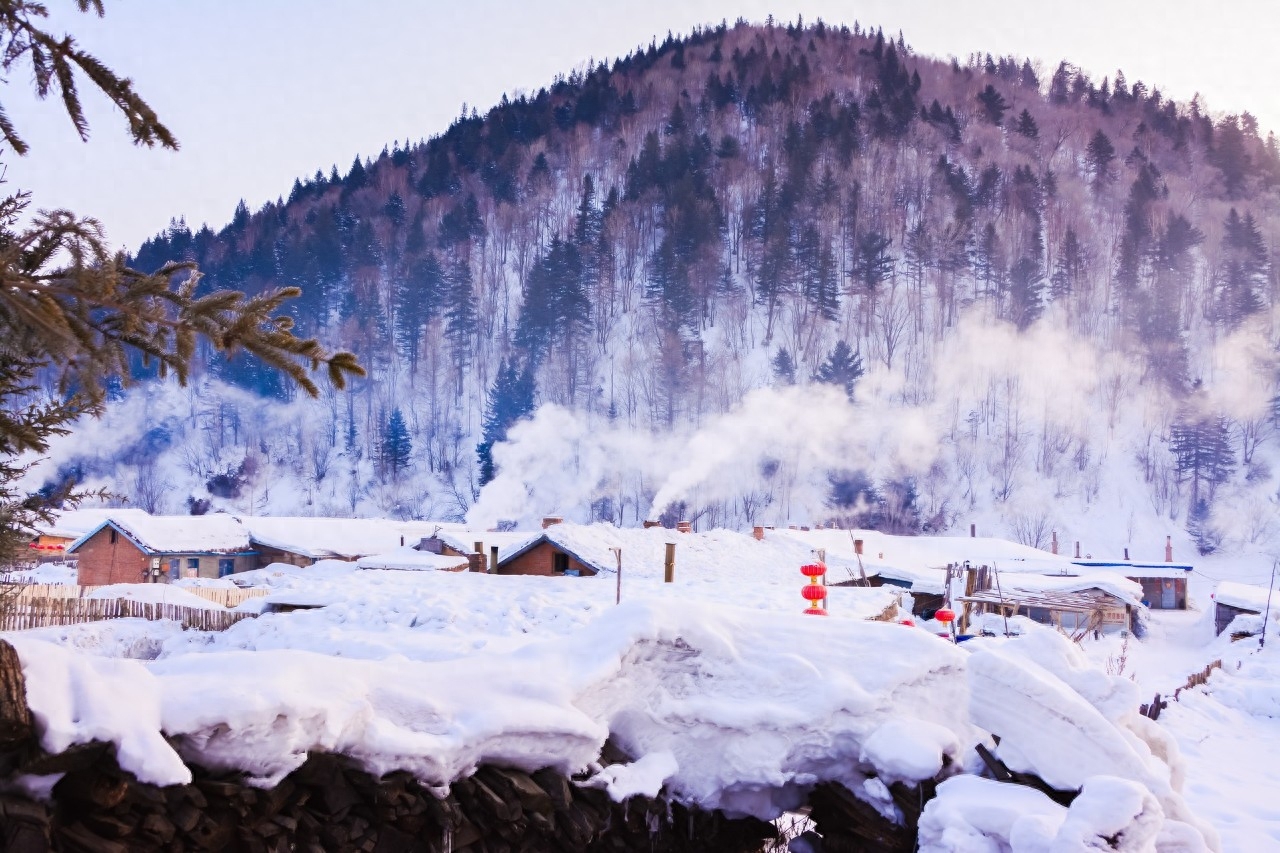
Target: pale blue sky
259 93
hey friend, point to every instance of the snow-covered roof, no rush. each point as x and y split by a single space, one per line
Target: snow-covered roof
1131 569
409 559
177 534
337 538
930 552
1111 583
509 543
933 581
74 523
1244 596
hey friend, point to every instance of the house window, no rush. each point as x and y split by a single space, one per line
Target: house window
226 567
193 563
561 563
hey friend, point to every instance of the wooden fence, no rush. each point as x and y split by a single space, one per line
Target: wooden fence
45 612
37 591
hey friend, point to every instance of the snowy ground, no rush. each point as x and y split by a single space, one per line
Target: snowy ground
716 683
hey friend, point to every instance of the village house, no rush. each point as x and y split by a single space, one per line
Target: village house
1164 585
50 541
550 552
133 549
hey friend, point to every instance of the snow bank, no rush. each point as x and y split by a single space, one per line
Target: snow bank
1067 724
340 538
77 699
747 721
977 815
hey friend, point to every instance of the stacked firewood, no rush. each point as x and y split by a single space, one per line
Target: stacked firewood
328 804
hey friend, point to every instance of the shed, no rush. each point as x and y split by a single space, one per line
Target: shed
1232 599
134 549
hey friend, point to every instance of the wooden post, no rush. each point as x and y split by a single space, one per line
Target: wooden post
973 531
617 553
493 561
970 584
669 564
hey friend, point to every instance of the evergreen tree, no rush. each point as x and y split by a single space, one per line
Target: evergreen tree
1026 289
843 367
1244 271
1070 269
460 317
993 104
1100 154
872 263
1203 454
396 446
1026 125
510 399
784 367
417 297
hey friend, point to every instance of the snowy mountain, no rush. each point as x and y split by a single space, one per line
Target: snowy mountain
761 275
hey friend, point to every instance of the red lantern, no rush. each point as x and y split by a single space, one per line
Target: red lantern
816 611
813 570
945 614
814 592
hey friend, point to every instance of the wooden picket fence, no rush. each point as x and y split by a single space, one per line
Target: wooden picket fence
38 591
45 612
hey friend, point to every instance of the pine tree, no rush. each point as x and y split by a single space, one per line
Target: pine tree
993 104
1202 451
510 399
843 367
1026 125
1244 273
396 446
1026 289
461 317
1101 154
784 367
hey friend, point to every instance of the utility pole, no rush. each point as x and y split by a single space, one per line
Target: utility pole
617 553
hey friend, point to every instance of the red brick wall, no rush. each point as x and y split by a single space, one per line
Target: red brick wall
102 562
540 560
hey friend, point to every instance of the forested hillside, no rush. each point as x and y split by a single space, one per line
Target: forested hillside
1050 297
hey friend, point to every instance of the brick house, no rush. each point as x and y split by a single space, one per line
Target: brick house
549 553
162 548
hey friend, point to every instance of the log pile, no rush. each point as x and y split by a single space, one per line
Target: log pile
330 804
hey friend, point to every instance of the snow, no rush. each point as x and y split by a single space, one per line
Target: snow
154 593
338 538
45 573
724 694
408 559
1244 596
178 534
644 777
74 523
930 552
78 699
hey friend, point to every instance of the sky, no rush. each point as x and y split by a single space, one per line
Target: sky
261 93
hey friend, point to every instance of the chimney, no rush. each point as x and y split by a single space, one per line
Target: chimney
757 533
1077 549
549 520
857 547
973 531
493 560
475 562
1055 541
649 524
1168 549
684 527
1126 555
